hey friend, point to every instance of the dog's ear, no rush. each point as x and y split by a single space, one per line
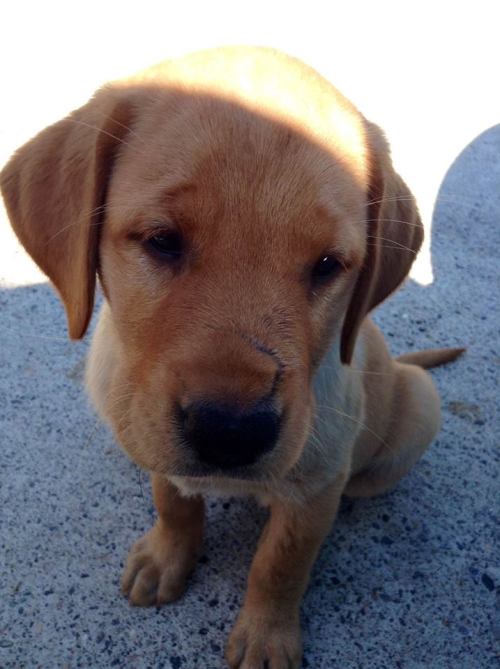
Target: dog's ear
54 188
394 235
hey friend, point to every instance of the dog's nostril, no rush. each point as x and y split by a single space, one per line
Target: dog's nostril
225 436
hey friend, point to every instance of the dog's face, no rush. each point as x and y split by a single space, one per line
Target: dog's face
234 243
228 272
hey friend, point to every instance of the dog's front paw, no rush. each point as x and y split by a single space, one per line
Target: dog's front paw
259 641
157 568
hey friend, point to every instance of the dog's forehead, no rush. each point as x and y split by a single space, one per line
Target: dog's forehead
217 163
221 202
247 138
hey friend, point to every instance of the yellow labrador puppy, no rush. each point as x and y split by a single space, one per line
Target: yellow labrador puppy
242 218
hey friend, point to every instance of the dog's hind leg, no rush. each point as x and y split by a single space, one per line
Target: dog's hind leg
414 421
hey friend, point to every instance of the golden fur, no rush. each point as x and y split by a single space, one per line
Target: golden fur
263 168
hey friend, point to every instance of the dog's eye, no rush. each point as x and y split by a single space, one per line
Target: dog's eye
167 244
326 269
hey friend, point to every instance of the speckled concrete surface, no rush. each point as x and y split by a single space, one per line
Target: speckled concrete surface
409 580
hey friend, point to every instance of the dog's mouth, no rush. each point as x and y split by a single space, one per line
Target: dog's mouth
200 471
194 480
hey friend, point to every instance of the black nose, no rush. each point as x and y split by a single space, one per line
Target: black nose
225 436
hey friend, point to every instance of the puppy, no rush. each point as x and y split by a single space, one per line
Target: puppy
243 218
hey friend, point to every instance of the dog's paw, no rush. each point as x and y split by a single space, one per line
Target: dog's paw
259 641
157 569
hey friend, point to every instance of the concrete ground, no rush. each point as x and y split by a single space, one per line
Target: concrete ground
410 580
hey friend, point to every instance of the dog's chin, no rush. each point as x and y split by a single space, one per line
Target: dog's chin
199 479
213 485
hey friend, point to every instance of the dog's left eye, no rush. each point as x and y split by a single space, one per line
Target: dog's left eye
167 244
326 269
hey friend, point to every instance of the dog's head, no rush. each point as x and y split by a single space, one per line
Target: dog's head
241 216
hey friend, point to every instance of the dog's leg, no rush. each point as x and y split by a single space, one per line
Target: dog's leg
160 563
415 420
267 631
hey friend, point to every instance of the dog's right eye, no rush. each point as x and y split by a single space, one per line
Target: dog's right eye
326 269
166 244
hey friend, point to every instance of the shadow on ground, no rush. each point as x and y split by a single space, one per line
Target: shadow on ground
406 580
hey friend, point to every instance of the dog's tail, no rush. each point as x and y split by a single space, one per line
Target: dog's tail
431 357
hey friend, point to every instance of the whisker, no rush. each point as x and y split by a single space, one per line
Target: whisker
122 125
391 220
92 433
392 241
394 198
386 246
101 130
406 198
394 248
97 210
355 420
363 371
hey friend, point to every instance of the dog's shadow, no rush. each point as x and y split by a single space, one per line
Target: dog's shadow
73 503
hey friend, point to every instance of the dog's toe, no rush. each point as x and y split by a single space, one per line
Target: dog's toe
259 642
155 573
142 584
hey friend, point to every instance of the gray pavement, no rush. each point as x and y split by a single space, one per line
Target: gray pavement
409 580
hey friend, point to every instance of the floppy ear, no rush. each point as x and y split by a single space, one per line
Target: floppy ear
394 235
54 188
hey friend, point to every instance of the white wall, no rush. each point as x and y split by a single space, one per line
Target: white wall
428 72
